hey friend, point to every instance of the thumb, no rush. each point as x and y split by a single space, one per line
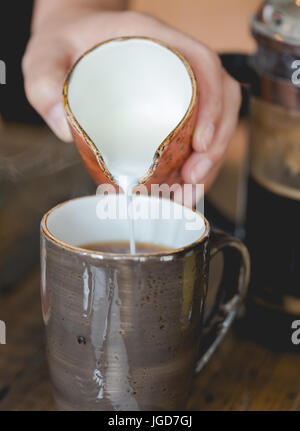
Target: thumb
44 68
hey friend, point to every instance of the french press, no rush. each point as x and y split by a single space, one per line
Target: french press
273 204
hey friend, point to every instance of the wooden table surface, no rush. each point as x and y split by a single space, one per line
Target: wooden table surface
243 374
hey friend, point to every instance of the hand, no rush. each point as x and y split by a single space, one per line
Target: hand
58 40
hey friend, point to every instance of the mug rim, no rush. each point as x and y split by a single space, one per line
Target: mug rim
121 256
163 145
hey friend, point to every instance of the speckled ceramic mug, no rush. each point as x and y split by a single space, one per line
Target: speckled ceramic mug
125 332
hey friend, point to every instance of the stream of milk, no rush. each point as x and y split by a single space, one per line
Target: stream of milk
131 224
128 182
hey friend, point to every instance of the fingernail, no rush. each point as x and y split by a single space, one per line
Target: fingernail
203 137
57 121
193 177
200 170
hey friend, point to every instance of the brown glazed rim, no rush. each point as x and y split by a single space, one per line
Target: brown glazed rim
166 141
137 256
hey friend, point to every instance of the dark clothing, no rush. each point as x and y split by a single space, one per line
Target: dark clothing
15 18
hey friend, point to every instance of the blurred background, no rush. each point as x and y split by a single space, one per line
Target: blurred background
37 171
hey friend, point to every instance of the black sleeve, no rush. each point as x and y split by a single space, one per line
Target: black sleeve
15 18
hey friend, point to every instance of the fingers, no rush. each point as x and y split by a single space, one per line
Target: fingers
196 168
200 165
44 68
231 106
208 71
188 195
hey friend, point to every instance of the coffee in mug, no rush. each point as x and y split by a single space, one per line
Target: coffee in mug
124 247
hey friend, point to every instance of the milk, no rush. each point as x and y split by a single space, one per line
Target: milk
128 96
128 182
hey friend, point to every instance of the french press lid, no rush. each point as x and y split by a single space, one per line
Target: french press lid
279 20
276 27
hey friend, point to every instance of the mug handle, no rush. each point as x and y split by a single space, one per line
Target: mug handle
229 298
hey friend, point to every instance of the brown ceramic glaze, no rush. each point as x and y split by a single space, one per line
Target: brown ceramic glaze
124 331
169 156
